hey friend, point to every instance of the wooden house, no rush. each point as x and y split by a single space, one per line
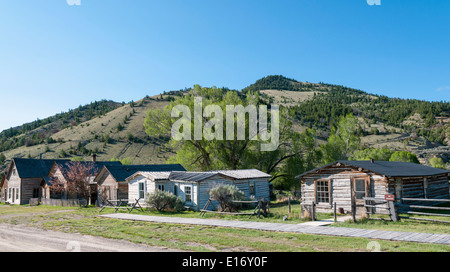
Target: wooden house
343 181
3 191
24 178
111 180
194 187
58 171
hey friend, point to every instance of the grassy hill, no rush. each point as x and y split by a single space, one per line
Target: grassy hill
117 133
115 130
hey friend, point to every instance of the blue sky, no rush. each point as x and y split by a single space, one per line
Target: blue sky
54 57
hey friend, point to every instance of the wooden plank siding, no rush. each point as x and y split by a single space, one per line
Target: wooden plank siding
111 189
340 187
377 186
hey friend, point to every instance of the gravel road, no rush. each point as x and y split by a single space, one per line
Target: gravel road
24 239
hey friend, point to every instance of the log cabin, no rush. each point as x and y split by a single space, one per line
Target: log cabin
194 187
111 180
343 181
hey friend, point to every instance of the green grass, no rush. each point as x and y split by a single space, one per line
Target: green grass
196 238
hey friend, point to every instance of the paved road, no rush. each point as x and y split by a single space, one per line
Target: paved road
24 239
297 228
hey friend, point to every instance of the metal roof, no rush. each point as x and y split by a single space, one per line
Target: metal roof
34 168
389 168
64 166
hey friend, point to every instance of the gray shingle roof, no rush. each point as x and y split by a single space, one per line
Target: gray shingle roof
391 169
122 172
236 174
244 173
154 175
191 176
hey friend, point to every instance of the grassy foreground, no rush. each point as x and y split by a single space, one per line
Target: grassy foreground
192 238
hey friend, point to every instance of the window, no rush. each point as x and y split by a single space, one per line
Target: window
360 188
175 190
141 190
188 193
251 185
323 191
161 187
17 193
9 194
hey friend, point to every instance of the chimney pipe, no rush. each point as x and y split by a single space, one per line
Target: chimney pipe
94 158
372 160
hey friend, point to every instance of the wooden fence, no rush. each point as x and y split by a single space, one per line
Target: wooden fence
262 207
380 206
415 206
64 202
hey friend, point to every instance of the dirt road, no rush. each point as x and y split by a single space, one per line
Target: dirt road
24 239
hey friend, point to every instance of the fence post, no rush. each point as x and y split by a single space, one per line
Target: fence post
353 210
289 204
313 211
335 214
392 212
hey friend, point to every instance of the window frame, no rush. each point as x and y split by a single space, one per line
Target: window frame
360 180
318 186
141 190
252 187
186 194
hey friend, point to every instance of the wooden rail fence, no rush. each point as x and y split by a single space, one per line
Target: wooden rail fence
421 209
64 202
262 207
414 206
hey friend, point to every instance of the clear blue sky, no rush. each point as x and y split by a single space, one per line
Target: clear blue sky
54 57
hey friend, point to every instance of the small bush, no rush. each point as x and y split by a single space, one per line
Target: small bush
164 201
225 194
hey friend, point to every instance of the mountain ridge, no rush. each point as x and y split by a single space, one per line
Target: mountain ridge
115 130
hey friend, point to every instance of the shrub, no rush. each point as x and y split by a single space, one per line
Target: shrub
161 200
225 194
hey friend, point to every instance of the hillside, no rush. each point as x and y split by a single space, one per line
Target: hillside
115 130
116 134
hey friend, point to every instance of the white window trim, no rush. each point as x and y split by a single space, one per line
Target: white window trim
191 193
143 189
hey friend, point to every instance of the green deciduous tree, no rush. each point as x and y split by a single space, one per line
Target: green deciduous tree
437 163
404 156
295 151
343 140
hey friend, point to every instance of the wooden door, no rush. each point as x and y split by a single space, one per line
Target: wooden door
360 189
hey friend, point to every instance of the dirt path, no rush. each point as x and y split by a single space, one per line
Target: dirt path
25 239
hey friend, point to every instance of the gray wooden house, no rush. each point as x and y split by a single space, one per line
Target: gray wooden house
111 180
194 187
342 181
